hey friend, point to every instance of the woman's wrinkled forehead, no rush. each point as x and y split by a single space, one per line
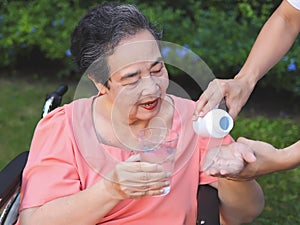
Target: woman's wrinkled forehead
139 48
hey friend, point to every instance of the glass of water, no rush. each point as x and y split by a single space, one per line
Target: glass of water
158 145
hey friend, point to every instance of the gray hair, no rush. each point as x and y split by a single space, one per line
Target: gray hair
100 31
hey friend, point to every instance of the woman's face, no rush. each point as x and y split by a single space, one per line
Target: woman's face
138 79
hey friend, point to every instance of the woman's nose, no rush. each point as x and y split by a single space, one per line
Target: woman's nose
150 86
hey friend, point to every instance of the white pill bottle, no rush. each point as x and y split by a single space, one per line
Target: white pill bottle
217 123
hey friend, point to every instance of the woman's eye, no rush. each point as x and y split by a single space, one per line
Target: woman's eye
156 72
133 83
131 79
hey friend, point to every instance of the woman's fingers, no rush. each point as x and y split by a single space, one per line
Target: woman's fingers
136 179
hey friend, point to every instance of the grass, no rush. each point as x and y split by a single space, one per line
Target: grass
281 198
21 108
281 189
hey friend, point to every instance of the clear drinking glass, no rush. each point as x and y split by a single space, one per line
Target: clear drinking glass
158 145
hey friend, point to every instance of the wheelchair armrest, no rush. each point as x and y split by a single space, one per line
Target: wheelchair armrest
208 205
11 176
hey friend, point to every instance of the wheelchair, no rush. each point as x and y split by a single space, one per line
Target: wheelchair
11 178
11 174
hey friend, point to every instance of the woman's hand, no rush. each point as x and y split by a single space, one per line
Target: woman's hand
228 160
244 160
135 179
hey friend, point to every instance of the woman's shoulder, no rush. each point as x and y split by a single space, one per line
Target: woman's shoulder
67 113
80 105
179 100
183 104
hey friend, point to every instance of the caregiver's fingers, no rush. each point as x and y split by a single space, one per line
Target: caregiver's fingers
210 98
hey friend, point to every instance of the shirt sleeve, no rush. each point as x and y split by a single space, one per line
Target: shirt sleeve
50 164
205 145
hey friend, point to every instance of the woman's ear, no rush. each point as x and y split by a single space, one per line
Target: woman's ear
102 89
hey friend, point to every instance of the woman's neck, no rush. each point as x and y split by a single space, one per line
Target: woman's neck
118 132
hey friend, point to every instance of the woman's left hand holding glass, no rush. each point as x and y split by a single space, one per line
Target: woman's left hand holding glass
135 179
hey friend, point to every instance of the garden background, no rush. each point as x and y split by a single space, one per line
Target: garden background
35 58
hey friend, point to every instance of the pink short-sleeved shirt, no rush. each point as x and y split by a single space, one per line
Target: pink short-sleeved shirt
59 165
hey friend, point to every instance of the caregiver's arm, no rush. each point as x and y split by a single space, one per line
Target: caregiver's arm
291 156
269 159
274 40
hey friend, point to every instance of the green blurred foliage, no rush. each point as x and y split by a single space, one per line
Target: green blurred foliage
280 132
220 32
281 189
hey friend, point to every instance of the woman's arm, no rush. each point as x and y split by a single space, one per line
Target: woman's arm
92 204
240 201
85 207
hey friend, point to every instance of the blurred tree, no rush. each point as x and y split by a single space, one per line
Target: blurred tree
220 32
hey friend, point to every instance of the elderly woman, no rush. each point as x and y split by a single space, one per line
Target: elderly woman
81 169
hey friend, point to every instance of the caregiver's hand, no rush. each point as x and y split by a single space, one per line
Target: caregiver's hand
236 92
268 159
134 179
228 160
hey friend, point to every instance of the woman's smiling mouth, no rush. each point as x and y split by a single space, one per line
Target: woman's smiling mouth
150 105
